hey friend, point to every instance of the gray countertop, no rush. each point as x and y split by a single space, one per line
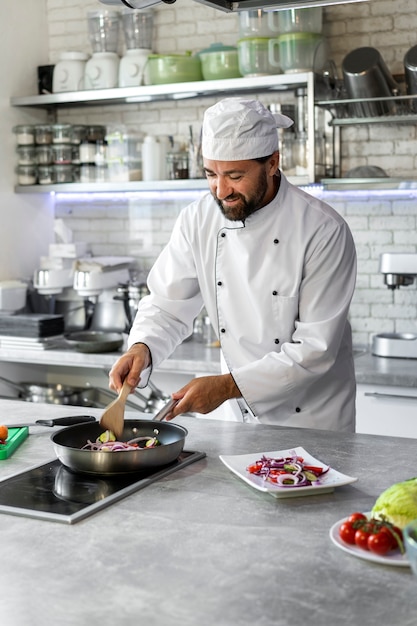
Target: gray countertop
192 357
201 547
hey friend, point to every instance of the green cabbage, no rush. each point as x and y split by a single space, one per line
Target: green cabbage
398 503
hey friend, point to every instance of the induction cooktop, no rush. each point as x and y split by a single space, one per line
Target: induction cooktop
54 493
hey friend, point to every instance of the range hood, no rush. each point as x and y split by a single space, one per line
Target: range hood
230 6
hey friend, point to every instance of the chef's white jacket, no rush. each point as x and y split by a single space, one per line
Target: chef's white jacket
277 289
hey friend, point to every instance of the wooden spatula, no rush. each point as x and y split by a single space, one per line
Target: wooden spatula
113 417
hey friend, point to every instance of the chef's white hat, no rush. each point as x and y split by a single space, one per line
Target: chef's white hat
238 130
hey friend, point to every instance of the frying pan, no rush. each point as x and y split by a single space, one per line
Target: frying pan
91 341
69 441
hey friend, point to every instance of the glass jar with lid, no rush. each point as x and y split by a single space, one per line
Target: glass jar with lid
46 174
62 153
78 133
61 133
26 174
43 134
96 133
26 155
63 173
25 134
44 155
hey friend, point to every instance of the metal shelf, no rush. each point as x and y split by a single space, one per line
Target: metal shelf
172 91
199 184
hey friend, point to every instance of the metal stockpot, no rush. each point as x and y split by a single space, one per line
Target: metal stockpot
68 444
366 75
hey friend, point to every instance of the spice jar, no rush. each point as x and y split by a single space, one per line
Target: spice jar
96 133
62 153
61 133
43 134
26 174
63 173
78 134
43 155
25 134
25 155
46 175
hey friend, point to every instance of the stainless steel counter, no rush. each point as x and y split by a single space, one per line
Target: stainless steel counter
201 547
194 358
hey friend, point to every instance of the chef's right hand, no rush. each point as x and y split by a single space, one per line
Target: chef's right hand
129 367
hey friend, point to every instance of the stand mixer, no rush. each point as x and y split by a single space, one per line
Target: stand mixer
399 270
88 286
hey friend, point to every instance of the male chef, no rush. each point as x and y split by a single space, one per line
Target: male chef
275 269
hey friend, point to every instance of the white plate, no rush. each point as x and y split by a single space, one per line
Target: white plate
238 463
393 558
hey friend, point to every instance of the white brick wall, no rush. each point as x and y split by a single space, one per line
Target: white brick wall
379 222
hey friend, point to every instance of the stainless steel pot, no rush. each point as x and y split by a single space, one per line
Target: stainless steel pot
68 444
53 393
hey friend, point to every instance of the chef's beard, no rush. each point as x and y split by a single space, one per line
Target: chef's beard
247 205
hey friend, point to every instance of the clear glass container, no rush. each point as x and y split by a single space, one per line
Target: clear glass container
46 174
177 165
25 134
43 134
96 133
63 173
78 133
26 155
88 173
26 175
44 155
61 133
62 153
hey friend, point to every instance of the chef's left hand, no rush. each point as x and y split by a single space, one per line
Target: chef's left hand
204 394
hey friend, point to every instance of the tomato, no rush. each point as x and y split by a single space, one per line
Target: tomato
356 517
255 467
361 538
380 542
3 433
347 532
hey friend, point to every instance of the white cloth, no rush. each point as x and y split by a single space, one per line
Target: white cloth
277 290
237 130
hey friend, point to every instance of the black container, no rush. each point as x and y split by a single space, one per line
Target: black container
45 74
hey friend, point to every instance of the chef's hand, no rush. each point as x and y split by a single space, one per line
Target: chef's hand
204 394
129 367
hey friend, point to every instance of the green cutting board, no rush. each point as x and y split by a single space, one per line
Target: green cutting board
15 437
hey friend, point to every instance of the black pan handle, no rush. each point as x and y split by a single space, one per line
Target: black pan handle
66 421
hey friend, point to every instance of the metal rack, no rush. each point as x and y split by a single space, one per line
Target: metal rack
52 103
393 110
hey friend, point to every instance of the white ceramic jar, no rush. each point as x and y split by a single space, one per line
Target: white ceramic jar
69 72
132 66
102 71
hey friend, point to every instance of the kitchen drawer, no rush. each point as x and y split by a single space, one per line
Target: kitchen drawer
386 410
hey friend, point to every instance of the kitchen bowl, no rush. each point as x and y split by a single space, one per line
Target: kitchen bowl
410 544
219 62
172 68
